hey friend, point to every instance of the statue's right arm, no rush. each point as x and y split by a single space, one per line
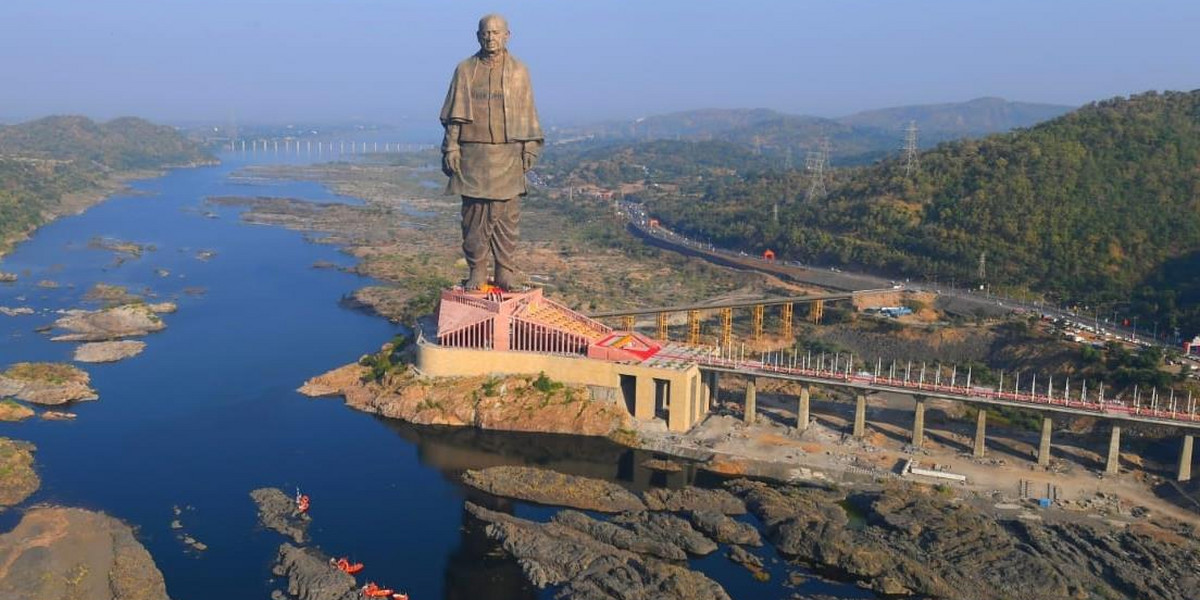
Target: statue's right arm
450 152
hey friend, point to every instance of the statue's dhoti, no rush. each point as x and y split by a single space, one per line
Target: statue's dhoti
490 227
491 182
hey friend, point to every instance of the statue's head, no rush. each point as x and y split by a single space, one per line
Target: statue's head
492 34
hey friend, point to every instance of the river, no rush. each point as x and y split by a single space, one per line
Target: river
209 411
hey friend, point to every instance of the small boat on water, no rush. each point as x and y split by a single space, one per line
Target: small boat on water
346 566
374 591
302 502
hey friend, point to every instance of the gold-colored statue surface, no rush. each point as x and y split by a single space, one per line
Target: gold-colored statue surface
492 139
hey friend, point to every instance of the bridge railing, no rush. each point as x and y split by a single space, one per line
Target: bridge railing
1097 404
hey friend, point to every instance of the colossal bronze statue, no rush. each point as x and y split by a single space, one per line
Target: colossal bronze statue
492 139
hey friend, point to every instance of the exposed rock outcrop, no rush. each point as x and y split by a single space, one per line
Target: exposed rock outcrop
277 512
917 542
311 577
621 537
588 569
46 383
100 352
667 528
15 312
73 553
506 404
725 529
18 480
694 499
553 488
752 563
128 320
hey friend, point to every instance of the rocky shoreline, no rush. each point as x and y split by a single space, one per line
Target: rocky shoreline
496 403
897 540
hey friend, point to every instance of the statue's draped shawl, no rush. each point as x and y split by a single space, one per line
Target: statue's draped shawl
520 114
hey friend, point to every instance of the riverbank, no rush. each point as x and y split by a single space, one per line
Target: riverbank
895 539
76 202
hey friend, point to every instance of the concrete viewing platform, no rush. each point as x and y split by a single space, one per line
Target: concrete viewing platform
475 333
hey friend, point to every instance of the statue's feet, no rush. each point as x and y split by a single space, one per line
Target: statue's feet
475 282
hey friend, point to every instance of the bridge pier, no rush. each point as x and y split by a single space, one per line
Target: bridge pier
860 416
644 391
1043 456
710 391
918 432
751 404
1113 466
802 408
980 434
1185 459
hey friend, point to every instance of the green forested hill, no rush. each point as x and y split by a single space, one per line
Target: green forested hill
1101 205
43 161
126 143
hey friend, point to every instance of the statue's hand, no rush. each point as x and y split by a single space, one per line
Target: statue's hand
528 160
451 161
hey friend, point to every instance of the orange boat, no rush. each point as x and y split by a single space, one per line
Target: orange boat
399 596
374 591
302 502
348 567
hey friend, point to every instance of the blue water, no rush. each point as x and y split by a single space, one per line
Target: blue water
208 412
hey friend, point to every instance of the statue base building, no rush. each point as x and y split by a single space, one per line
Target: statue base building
514 333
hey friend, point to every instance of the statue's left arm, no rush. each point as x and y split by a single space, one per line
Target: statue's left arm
525 125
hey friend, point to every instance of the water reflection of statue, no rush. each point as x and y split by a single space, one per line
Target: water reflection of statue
492 138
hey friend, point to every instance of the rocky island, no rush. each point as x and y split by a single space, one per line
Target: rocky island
46 383
126 320
101 352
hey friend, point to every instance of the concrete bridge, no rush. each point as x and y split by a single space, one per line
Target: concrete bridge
838 371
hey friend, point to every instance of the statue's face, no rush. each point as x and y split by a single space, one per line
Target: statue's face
492 35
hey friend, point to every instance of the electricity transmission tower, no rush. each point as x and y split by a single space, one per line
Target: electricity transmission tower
815 163
911 161
982 266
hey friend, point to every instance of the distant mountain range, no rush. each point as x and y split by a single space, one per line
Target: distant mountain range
855 139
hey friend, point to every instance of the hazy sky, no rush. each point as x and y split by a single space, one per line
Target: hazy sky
390 60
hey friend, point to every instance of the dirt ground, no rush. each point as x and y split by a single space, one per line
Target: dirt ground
1008 473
